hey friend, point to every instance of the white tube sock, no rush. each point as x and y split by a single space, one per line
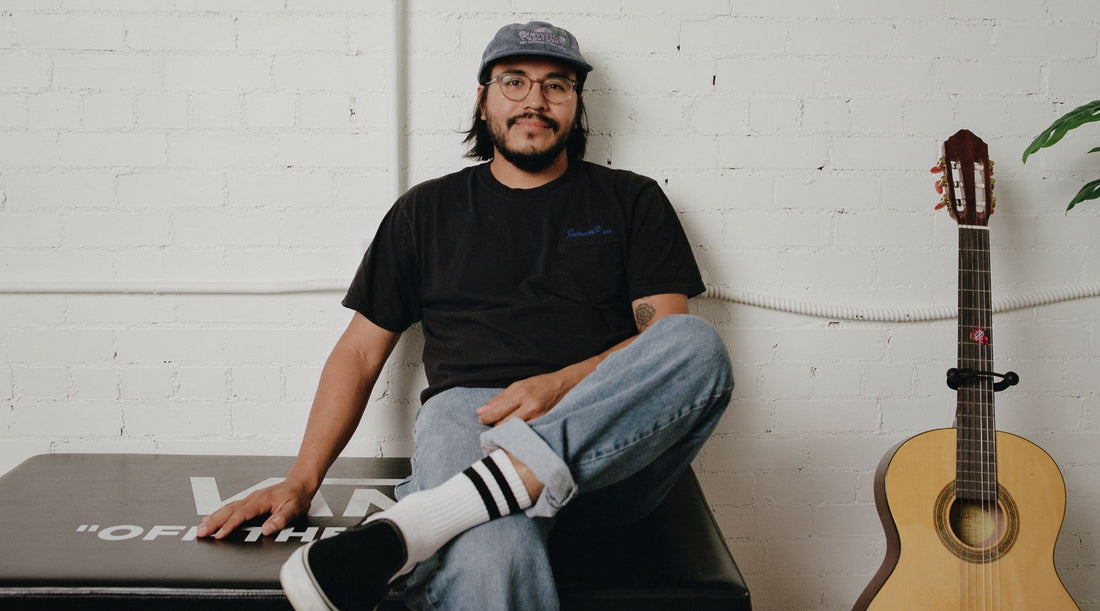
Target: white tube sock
428 519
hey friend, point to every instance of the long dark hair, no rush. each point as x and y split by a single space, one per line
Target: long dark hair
480 143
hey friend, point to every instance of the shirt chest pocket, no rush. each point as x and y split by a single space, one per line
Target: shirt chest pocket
589 269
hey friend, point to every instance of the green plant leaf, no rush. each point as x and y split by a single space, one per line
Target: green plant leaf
1077 117
1089 191
1095 150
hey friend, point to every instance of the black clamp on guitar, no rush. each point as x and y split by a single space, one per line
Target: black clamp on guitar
955 377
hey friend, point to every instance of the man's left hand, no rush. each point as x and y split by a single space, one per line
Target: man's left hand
526 399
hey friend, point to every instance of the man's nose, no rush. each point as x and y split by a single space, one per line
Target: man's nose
535 98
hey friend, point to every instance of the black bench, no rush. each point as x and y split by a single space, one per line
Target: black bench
116 531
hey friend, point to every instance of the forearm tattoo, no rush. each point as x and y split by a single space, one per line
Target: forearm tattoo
643 315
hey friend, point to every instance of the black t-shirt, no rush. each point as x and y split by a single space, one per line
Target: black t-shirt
511 283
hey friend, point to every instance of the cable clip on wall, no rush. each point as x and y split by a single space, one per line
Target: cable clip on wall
956 377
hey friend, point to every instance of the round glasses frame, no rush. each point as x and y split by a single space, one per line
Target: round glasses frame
516 87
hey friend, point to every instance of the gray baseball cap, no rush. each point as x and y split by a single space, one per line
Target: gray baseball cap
533 38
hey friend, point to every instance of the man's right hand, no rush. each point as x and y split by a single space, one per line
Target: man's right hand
283 501
346 381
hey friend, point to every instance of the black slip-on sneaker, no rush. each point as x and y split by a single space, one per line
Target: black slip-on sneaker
349 571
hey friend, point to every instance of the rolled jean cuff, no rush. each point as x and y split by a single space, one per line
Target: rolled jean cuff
521 442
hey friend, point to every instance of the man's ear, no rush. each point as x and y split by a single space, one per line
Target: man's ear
480 106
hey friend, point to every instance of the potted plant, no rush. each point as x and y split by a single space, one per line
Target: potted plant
1057 130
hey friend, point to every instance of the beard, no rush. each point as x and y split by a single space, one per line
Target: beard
527 159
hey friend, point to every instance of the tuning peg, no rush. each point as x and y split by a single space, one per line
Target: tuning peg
938 169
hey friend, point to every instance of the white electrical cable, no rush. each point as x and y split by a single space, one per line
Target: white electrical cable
843 312
781 304
172 288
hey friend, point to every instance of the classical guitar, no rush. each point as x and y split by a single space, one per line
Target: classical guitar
971 513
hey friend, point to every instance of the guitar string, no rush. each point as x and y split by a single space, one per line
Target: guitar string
983 571
987 485
988 573
980 405
968 406
991 431
967 590
964 412
981 349
991 427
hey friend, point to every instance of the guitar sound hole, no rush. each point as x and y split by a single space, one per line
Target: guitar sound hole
978 525
975 531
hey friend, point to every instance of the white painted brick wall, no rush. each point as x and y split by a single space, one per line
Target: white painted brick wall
207 141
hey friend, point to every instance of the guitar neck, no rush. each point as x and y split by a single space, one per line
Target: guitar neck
976 457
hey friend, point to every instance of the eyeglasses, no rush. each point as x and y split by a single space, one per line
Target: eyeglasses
516 87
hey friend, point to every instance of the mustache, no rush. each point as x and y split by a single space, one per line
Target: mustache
554 125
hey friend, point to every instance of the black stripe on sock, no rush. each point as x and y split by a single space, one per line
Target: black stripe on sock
483 490
513 505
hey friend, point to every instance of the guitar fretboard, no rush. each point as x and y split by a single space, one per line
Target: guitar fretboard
976 445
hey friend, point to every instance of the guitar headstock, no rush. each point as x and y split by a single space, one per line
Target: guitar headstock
967 179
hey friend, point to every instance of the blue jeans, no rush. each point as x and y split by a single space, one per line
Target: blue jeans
616 443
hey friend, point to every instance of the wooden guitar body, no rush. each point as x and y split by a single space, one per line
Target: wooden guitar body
1007 558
